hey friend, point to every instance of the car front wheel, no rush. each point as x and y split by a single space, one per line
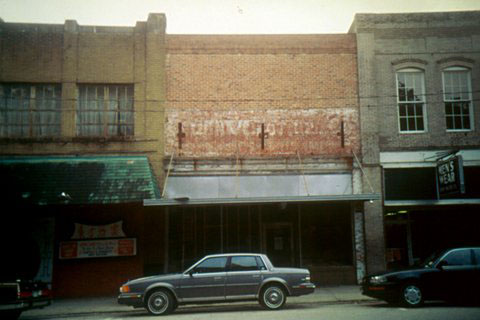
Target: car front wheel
411 295
273 297
160 302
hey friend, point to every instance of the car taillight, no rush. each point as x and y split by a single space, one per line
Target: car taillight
25 294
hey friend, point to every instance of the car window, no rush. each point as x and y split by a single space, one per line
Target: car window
244 263
260 263
211 265
458 258
477 255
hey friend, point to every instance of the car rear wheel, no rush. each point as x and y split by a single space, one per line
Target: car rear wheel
273 297
160 302
10 314
411 295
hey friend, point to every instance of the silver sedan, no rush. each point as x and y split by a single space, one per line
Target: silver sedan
218 278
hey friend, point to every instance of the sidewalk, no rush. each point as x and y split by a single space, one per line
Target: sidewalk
338 294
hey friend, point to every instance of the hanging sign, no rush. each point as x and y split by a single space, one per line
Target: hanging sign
450 179
113 230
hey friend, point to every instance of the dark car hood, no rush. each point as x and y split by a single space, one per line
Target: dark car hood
156 278
416 269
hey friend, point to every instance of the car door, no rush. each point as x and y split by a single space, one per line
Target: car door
244 276
457 272
476 271
206 282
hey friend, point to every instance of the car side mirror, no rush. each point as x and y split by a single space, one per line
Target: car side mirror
190 273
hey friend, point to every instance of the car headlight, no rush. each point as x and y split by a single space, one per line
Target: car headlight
124 289
378 279
306 279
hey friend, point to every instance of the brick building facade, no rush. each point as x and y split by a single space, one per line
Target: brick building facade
260 137
419 90
258 133
265 143
81 134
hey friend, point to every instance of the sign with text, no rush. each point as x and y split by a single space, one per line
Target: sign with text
450 177
113 230
98 248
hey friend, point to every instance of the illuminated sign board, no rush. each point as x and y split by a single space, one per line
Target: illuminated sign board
450 179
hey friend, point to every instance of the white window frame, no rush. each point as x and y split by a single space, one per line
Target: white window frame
423 101
468 72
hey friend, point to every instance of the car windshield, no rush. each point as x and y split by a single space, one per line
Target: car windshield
431 259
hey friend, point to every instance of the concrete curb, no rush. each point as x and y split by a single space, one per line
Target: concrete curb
104 305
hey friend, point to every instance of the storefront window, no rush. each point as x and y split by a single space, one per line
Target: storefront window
326 235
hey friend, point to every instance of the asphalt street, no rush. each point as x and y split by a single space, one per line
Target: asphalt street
340 311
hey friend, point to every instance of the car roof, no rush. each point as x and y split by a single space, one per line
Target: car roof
233 254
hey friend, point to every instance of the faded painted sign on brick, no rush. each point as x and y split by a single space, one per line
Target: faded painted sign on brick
280 132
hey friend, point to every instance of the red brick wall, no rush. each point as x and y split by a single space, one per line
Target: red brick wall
96 276
222 88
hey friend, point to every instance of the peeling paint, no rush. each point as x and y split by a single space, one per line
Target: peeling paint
226 133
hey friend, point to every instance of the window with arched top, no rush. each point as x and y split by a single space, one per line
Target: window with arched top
411 100
457 97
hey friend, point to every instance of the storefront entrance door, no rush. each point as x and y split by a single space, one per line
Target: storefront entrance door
278 243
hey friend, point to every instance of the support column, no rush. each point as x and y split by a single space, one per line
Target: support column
370 155
153 97
69 77
359 239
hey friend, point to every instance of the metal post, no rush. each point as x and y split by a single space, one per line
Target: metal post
303 174
168 173
409 240
236 176
166 243
363 172
300 236
221 228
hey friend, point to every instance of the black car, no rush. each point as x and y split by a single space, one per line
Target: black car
20 295
452 275
218 278
19 291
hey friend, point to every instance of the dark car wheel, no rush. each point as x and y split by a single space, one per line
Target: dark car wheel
160 302
10 314
411 295
273 297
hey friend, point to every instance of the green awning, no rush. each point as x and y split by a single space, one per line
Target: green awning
76 180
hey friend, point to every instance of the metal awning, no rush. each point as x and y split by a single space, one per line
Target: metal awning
443 202
203 190
259 200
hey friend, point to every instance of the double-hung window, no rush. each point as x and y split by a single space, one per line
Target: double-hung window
105 111
411 100
30 110
457 97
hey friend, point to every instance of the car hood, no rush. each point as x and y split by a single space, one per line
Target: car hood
156 278
401 272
